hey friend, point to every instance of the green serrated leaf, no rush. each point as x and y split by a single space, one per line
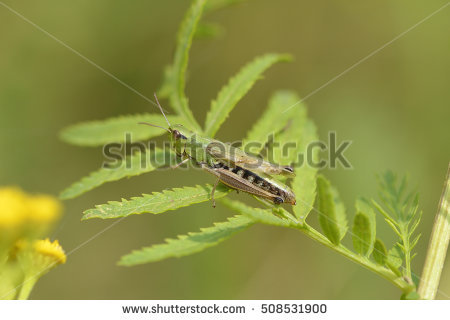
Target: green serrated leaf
99 133
383 212
414 242
165 90
394 197
415 223
294 128
236 88
177 73
134 165
203 30
379 252
304 183
393 227
400 209
361 234
332 216
395 256
365 226
157 202
299 133
256 214
266 126
395 270
188 244
341 216
413 208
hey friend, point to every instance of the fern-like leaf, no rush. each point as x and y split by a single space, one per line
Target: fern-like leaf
394 260
137 164
177 72
256 214
379 252
401 211
304 183
157 202
236 88
98 133
203 30
266 124
165 89
332 215
364 228
291 126
361 234
188 244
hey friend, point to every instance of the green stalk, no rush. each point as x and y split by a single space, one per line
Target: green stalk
26 288
407 250
362 261
437 249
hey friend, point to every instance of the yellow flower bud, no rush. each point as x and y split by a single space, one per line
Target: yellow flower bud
13 207
43 209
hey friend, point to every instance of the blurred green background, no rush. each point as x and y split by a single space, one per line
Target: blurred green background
394 107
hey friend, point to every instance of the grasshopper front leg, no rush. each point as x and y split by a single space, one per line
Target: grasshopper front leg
206 168
184 156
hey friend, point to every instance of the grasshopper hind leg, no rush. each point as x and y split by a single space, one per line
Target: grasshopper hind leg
205 167
212 192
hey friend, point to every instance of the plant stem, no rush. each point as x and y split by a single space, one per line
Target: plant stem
363 261
437 249
26 288
407 250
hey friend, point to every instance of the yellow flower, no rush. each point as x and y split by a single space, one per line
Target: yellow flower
35 260
52 251
13 207
23 218
43 208
16 207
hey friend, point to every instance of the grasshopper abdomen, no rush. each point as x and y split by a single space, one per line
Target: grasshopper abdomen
245 180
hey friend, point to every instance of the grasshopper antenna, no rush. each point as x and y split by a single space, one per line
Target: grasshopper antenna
154 125
160 108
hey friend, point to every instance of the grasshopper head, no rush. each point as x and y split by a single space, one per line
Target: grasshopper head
181 139
178 132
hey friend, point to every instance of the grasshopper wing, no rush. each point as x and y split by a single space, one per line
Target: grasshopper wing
227 153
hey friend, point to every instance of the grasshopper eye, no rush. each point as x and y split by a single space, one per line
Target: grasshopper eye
177 135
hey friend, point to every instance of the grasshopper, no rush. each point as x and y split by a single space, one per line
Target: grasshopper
232 166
